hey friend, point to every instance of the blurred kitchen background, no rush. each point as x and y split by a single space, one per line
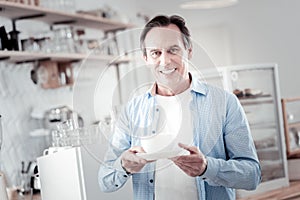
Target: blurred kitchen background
249 32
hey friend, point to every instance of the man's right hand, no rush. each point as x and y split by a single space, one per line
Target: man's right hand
131 162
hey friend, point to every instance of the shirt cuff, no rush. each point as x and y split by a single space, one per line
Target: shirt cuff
211 169
118 166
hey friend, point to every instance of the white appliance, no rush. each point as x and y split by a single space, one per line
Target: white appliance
72 174
3 193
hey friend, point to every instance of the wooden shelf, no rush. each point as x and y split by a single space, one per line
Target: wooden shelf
294 125
16 11
263 125
291 99
253 100
294 153
22 56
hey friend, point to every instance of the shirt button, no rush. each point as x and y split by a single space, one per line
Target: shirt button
153 131
125 176
116 185
151 180
157 109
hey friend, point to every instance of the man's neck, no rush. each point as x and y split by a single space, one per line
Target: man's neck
173 90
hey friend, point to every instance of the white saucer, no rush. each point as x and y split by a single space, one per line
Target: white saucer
162 155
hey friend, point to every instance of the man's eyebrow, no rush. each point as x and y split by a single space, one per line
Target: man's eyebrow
175 45
151 50
158 49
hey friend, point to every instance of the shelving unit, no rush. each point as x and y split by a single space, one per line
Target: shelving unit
18 11
291 126
22 56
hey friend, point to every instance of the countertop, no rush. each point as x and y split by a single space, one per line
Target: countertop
286 193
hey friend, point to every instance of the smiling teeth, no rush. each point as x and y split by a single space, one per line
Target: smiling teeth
167 71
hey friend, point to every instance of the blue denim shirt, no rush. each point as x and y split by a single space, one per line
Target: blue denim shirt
221 132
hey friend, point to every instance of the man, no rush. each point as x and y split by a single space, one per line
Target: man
212 128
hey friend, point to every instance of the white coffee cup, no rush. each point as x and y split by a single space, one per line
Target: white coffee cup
158 143
52 150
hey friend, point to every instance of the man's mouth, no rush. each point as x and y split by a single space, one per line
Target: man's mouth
167 71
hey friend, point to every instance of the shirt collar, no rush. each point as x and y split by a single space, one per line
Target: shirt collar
196 86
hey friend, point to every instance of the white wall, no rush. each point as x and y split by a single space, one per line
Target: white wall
254 31
257 31
267 32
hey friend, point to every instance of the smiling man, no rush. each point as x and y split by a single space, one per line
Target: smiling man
207 122
167 55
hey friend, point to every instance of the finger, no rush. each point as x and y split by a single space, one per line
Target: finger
150 161
191 149
132 164
185 166
198 162
138 160
137 149
190 159
133 167
194 165
130 156
191 171
174 158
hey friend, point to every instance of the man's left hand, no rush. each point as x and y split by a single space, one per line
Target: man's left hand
194 164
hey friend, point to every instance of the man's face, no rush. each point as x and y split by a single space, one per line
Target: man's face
166 55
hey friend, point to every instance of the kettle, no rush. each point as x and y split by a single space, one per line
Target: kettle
3 192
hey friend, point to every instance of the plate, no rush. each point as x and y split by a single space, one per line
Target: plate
162 155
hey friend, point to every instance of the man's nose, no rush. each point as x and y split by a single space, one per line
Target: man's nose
165 58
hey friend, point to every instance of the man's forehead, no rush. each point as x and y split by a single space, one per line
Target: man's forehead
169 31
163 37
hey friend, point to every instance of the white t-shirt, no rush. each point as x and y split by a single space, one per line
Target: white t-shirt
175 118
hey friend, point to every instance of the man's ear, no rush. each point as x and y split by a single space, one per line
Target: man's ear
145 57
190 53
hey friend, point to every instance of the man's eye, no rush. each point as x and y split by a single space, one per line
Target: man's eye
155 54
174 51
